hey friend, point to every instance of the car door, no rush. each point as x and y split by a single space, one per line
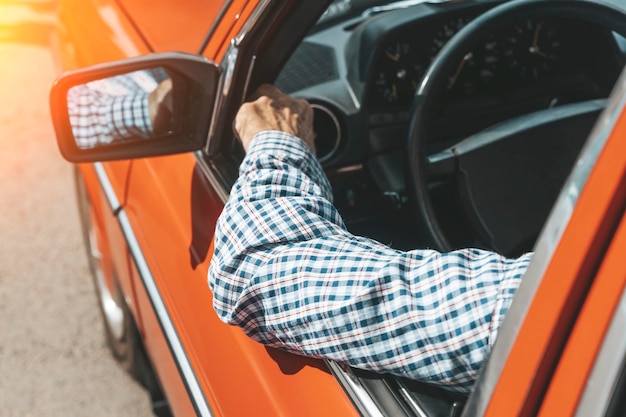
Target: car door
172 204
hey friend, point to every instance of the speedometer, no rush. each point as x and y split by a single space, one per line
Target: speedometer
477 66
447 31
532 49
399 73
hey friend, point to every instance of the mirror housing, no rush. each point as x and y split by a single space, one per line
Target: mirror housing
157 104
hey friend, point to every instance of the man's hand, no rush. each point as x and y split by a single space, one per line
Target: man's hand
160 106
273 110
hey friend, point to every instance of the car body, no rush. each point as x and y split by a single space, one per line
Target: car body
376 74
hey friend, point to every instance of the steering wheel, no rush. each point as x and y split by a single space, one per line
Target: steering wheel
540 148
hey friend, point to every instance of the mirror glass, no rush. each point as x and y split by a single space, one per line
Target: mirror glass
128 107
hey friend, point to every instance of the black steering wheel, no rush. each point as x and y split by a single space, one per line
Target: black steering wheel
505 214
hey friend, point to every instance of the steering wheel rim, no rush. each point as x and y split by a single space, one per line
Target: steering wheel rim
427 98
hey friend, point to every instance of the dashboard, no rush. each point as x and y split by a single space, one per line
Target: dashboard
362 75
530 51
523 67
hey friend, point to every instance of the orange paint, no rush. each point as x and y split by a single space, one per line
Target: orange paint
173 26
235 17
225 360
582 347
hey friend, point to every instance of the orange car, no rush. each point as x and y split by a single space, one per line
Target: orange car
492 124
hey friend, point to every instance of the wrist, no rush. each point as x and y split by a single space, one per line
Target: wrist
268 139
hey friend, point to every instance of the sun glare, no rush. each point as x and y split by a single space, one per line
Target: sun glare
24 24
26 27
15 14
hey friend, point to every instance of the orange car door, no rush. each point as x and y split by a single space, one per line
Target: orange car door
172 207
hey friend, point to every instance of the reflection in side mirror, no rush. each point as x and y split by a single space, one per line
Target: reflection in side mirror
133 106
152 105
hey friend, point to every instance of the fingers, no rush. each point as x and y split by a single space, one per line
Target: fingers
271 109
266 90
279 99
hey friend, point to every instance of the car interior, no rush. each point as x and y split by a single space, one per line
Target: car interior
436 140
496 137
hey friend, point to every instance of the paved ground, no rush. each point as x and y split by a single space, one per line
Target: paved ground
53 357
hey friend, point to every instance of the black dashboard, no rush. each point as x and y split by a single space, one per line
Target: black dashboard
533 64
362 74
529 53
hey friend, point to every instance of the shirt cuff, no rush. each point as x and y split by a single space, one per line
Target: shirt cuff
289 149
276 140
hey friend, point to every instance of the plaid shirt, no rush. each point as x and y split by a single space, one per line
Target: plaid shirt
113 108
286 270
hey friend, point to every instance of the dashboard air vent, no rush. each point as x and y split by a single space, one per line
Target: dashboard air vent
310 64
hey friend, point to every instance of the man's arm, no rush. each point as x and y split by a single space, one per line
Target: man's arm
118 108
286 270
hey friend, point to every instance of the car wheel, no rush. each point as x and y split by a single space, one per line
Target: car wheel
120 330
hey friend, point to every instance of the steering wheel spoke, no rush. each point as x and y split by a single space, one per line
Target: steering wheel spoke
442 165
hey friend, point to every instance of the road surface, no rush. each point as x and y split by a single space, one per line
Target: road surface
53 356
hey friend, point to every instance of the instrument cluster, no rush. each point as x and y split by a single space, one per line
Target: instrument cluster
524 53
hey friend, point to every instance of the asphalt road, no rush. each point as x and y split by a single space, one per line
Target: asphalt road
53 356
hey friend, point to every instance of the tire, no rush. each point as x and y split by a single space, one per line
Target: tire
120 329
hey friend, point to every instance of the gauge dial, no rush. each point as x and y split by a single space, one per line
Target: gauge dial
399 73
477 67
489 60
447 31
532 49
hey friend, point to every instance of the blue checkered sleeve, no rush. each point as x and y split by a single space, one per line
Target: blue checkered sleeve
115 110
97 118
286 271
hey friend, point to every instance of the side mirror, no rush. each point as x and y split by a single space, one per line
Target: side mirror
157 104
